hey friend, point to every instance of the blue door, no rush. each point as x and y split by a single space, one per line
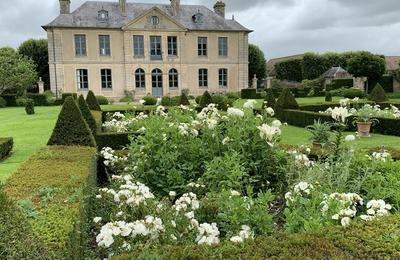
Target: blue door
157 83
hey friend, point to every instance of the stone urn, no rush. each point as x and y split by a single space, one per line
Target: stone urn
364 129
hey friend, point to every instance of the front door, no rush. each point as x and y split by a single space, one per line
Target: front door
157 83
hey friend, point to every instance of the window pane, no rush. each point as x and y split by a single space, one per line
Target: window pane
138 45
203 77
104 42
82 79
173 78
223 46
80 45
172 46
202 46
155 47
223 77
106 78
140 78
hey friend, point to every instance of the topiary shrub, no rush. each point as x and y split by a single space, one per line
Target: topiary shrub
353 93
21 102
102 100
270 99
166 101
328 96
149 101
221 101
87 115
58 102
29 106
6 145
175 101
71 128
206 99
286 101
197 99
249 93
92 102
38 99
184 100
65 95
126 99
3 102
378 94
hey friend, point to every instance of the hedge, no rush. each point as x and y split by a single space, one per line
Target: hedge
65 95
38 99
116 141
250 93
6 145
340 83
10 99
361 240
386 81
54 185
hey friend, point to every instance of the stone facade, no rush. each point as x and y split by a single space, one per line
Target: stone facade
64 63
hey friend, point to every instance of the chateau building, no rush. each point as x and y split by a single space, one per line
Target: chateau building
114 48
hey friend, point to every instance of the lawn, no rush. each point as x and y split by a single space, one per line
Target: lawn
30 133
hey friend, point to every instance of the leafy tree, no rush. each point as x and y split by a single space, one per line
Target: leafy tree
314 65
257 64
16 72
92 102
333 59
36 50
87 115
366 64
290 70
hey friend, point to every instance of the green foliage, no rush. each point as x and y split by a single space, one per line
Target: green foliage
313 66
3 102
71 128
286 101
29 106
126 100
257 64
270 99
184 100
353 93
290 70
386 81
320 132
206 99
149 100
328 96
249 93
92 102
37 51
221 101
115 141
65 95
198 99
166 101
366 64
102 100
17 73
378 94
11 99
87 115
340 83
6 145
38 99
21 102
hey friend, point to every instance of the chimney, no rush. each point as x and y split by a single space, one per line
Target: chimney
65 6
219 8
122 6
176 5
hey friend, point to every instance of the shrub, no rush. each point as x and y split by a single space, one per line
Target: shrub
29 106
102 100
341 83
206 99
221 101
87 115
11 99
353 93
270 99
65 95
249 93
197 99
126 99
286 101
184 100
149 101
166 101
58 102
116 141
378 94
38 99
92 102
3 102
386 81
328 96
6 145
21 102
233 95
175 100
71 128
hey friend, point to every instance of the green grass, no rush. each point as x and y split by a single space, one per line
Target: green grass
30 133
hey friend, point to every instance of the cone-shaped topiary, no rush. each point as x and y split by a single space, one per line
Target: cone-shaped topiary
286 100
184 100
270 99
328 96
92 102
206 99
87 115
378 94
71 128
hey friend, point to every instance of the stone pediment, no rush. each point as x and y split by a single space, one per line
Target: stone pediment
154 19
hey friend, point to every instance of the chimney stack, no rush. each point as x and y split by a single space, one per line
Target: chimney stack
122 6
176 5
219 8
65 6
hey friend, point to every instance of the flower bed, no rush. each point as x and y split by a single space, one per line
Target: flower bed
6 145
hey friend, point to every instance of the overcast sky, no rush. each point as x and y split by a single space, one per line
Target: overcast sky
281 27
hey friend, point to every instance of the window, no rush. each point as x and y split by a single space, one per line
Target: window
198 18
173 78
155 20
155 48
102 15
156 78
172 46
80 45
203 78
202 46
223 78
138 45
223 46
140 78
104 42
106 78
82 79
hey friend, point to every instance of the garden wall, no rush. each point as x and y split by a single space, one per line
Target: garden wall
52 188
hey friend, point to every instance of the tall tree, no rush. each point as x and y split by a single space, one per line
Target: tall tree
314 66
17 73
366 64
257 64
36 50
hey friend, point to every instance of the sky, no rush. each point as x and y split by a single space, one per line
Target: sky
281 27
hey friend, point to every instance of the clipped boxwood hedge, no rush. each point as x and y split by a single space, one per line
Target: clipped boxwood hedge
10 99
361 240
340 83
38 99
6 145
386 81
54 185
116 141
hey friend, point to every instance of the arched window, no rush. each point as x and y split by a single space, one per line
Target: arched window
140 78
173 78
157 83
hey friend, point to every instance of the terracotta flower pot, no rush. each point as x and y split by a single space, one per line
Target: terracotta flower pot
364 129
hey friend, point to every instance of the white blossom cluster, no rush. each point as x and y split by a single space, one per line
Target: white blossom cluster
119 123
348 206
188 201
110 159
244 234
208 234
186 130
270 132
301 159
270 111
209 116
376 208
301 189
249 104
339 114
380 156
235 112
160 110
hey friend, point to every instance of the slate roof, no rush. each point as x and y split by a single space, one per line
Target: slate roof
271 63
86 17
335 71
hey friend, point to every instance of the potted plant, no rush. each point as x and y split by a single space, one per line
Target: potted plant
365 118
320 133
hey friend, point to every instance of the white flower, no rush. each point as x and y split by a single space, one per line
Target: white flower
345 221
269 132
340 114
235 193
208 234
350 138
226 140
172 193
249 104
277 123
190 215
235 112
236 239
142 102
97 220
270 111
